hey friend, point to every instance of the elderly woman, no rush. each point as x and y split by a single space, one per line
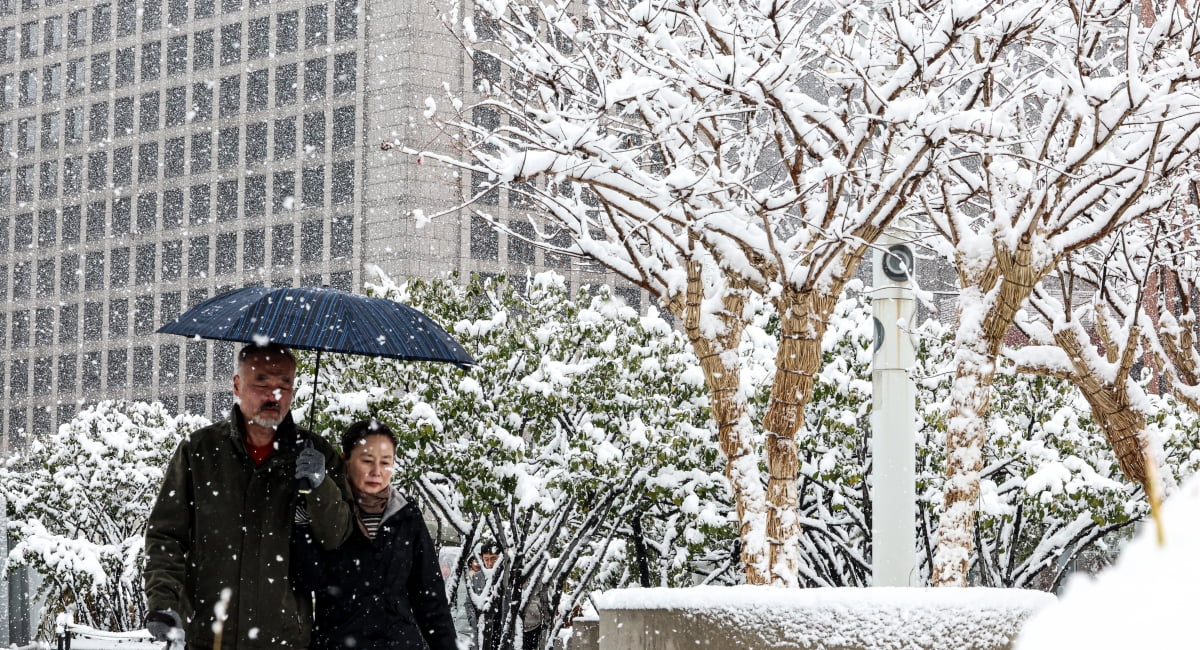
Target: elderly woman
382 588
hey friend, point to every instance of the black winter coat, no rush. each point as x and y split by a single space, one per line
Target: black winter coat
385 592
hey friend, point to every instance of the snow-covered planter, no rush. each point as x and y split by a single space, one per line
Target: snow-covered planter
883 618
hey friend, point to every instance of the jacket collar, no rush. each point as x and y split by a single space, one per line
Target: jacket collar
395 504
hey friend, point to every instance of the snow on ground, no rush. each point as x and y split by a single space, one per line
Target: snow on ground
1146 600
880 617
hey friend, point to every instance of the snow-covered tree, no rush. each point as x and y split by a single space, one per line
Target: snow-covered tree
579 444
719 153
77 506
1083 115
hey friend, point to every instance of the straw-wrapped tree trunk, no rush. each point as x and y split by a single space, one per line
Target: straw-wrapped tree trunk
1082 129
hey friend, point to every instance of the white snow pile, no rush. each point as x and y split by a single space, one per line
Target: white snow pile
1151 591
880 618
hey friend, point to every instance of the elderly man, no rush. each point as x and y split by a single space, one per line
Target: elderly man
220 529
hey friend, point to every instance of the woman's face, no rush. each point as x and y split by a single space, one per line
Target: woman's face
371 464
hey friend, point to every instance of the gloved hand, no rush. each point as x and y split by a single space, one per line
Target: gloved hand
164 625
310 468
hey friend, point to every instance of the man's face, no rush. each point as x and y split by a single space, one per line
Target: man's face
263 388
489 560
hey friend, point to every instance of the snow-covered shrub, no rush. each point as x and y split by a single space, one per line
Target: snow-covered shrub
580 443
77 507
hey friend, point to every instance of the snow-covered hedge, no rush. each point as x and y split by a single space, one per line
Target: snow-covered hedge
77 507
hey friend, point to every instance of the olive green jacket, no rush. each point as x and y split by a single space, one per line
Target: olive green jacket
221 523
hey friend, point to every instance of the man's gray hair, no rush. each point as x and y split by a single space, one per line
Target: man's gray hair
262 351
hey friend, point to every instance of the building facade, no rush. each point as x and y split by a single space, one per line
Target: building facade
160 152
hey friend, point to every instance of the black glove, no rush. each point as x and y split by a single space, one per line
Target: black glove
310 469
164 625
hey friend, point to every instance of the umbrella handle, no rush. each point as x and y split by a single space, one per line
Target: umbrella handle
304 485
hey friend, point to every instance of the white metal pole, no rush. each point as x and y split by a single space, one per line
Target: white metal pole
893 416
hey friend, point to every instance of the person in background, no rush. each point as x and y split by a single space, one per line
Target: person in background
383 587
219 530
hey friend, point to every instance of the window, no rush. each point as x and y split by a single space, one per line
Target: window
125 70
101 23
258 40
177 12
231 96
96 220
341 184
144 262
51 130
345 20
29 39
256 196
282 245
43 333
198 257
256 91
29 87
177 50
287 30
231 43
20 328
72 175
316 25
314 133
149 112
201 152
285 85
25 183
172 264
143 362
53 32
173 157
77 27
341 237
49 185
67 369
147 212
5 195
74 123
520 250
313 187
228 148
19 382
126 17
69 276
68 324
123 166
312 242
98 122
256 143
227 261
151 60
93 315
230 6
121 212
345 73
227 201
172 210
196 355
123 116
52 81
252 249
71 218
8 44
21 279
151 15
98 172
283 192
485 242
117 371
176 106
43 377
314 79
202 45
204 8
202 101
26 134
168 357
99 71
199 204
118 317
285 138
91 368
147 165
8 92
93 271
47 232
76 76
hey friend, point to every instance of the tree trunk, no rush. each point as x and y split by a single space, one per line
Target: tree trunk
803 320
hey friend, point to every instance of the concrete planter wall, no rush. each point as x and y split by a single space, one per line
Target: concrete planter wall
769 618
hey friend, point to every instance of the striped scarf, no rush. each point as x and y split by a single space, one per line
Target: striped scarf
368 510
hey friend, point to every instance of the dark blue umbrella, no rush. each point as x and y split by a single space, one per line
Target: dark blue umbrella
322 319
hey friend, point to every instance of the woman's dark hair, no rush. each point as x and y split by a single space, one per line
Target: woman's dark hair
362 430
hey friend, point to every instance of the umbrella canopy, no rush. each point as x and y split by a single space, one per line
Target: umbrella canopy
322 319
